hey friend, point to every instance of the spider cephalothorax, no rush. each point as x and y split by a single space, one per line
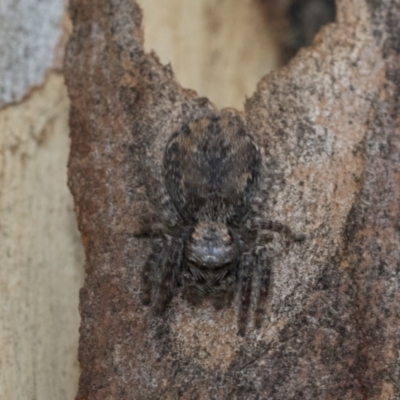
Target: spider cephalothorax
207 231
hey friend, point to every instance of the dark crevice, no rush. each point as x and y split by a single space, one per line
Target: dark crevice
295 23
354 224
306 18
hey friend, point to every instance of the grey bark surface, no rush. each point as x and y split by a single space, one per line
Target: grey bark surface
30 31
328 126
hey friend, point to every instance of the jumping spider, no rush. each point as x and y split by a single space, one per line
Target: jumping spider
207 237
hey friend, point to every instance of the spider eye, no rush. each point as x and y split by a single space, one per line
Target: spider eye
211 245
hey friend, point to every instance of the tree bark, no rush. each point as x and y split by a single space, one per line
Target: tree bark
328 127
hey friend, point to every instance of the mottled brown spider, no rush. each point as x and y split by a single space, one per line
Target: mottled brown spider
207 237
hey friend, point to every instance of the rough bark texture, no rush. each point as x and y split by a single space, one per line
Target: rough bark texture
329 127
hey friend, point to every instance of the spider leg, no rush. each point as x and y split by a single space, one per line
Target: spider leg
264 267
153 261
146 228
245 276
160 211
169 212
277 227
167 278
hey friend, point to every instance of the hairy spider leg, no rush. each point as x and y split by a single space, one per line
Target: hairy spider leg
264 269
246 266
167 275
147 228
149 224
152 262
279 228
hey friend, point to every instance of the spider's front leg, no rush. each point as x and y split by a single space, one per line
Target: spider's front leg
167 274
264 272
158 277
249 263
255 223
153 262
246 268
270 225
159 212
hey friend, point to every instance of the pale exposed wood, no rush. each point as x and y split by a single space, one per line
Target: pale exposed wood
40 252
221 48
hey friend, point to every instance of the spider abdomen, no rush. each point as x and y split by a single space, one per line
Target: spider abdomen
211 166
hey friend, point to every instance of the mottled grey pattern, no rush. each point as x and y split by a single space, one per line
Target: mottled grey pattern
29 31
206 234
